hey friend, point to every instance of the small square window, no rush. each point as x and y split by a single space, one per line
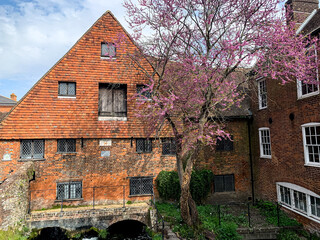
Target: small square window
143 93
108 50
168 146
224 144
144 145
69 190
32 149
66 145
67 89
224 183
141 186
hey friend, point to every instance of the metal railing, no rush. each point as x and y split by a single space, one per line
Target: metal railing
90 197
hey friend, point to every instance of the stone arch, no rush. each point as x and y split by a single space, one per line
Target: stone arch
139 218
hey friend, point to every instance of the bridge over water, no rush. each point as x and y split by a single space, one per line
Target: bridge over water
100 217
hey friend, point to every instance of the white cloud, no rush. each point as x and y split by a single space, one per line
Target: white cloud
36 34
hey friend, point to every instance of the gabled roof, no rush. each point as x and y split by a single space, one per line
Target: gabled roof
4 101
311 24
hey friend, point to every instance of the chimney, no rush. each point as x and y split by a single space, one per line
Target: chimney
13 97
299 10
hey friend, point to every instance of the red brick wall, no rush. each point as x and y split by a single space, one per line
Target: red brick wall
287 162
42 114
231 162
88 166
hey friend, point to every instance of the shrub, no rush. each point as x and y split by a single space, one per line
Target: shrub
228 231
169 187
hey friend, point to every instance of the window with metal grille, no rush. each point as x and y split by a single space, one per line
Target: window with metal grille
144 145
113 100
224 144
67 89
141 186
262 92
168 146
143 93
265 143
108 50
32 149
69 190
311 142
66 145
224 183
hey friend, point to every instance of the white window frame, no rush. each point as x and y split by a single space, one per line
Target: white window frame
262 155
293 187
261 81
299 83
305 145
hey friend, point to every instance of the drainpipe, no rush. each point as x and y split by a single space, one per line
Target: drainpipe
251 160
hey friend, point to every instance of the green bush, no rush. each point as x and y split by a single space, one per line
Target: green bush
228 231
286 234
169 187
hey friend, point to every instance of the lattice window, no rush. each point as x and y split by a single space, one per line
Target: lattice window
69 190
143 93
224 144
141 186
67 145
67 88
32 149
144 145
168 146
224 183
108 50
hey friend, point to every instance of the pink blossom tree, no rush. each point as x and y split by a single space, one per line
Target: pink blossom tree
201 50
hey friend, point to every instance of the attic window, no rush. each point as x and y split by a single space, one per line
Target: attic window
67 89
108 50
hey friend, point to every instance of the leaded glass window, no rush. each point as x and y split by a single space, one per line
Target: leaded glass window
32 149
66 145
67 88
224 144
224 183
141 186
168 146
69 190
108 50
144 145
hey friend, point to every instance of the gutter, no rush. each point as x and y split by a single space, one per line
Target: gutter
251 160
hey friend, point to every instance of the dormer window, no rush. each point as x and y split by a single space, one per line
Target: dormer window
108 50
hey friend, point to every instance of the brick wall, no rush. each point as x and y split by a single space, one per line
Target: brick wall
231 162
287 163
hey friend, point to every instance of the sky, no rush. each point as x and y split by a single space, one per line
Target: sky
35 34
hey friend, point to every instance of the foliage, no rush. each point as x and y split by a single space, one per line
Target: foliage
200 184
209 218
269 210
286 234
169 187
14 234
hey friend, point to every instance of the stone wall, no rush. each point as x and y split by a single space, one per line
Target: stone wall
14 196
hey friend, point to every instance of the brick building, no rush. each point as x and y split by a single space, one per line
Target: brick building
287 134
79 126
6 104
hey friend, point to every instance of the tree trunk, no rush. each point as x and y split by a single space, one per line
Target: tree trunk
189 212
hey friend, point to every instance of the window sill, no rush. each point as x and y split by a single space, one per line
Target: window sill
312 164
67 97
67 153
266 157
262 108
308 95
168 155
31 159
141 195
69 200
108 58
300 213
101 118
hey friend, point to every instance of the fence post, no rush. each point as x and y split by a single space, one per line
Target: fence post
62 204
278 214
124 196
249 216
162 232
93 192
219 212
